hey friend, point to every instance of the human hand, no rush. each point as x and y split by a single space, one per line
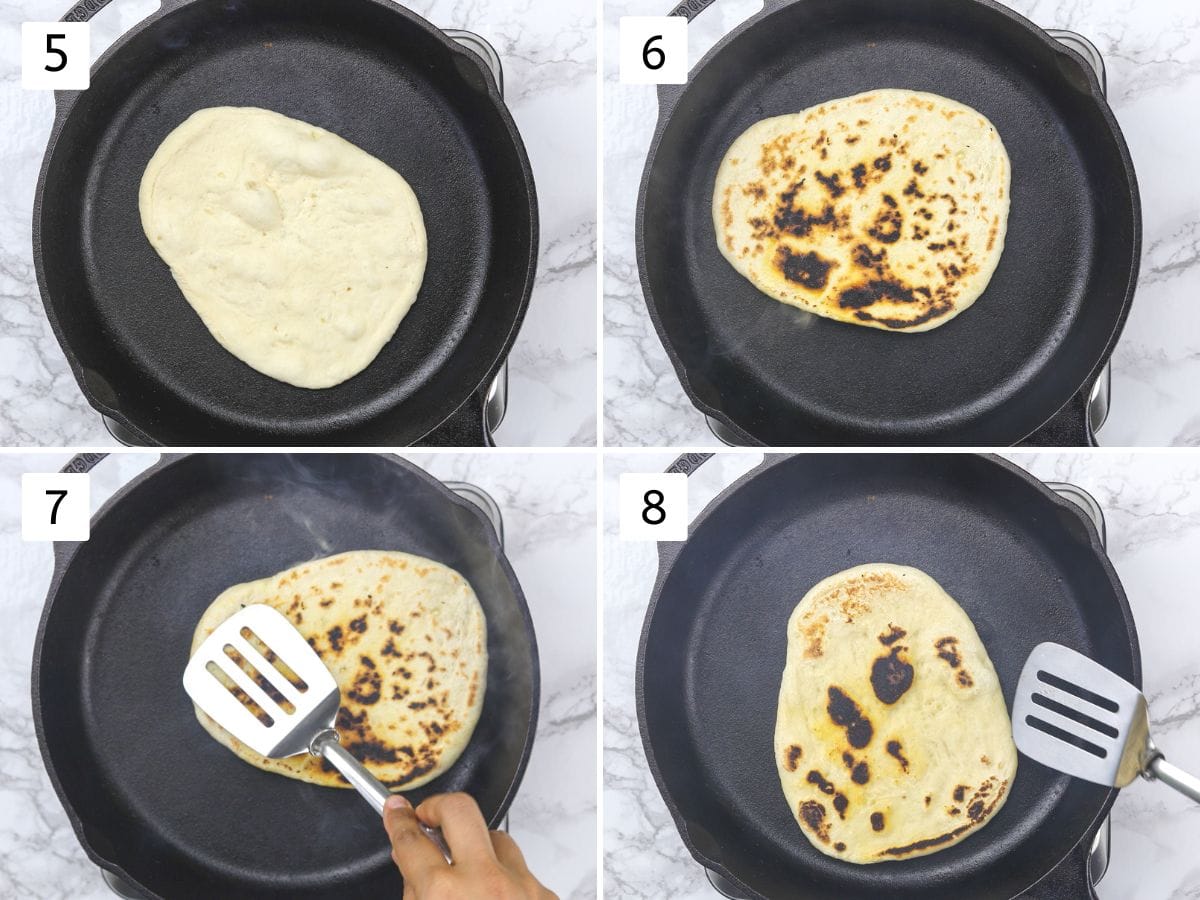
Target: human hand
487 864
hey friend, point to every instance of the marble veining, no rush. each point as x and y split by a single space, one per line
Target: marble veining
1152 510
549 57
1152 55
553 816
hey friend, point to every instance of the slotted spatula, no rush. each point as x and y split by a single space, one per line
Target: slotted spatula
1076 716
258 678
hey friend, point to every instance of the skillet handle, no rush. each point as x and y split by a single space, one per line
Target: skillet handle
1071 426
373 790
80 463
1070 879
686 464
83 12
668 94
466 426
83 463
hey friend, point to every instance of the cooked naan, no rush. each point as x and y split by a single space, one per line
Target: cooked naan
892 738
406 641
300 252
886 209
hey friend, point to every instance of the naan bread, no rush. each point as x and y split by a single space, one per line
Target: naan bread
406 641
892 739
886 209
300 252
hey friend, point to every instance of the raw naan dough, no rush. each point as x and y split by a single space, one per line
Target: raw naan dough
886 209
406 641
300 252
892 739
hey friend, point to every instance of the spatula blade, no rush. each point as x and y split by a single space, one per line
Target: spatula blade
1074 715
272 714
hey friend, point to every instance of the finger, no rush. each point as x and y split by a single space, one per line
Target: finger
462 825
416 855
508 852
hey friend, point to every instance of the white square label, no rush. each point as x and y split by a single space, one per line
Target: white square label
56 506
654 50
654 507
56 56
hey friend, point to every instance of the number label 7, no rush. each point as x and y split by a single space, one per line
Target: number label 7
56 506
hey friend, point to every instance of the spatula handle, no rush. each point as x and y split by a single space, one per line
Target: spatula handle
372 789
1188 785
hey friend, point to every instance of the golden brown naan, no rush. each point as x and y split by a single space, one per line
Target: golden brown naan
892 738
886 209
406 641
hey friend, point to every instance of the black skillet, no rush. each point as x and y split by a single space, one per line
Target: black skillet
1029 350
1022 562
151 796
368 70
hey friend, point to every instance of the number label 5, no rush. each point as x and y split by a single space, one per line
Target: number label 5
55 506
56 56
653 50
653 507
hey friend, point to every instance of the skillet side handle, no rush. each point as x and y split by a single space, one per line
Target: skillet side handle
668 94
1071 426
685 464
1070 878
80 463
466 426
83 12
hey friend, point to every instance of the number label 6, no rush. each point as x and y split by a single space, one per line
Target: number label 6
653 49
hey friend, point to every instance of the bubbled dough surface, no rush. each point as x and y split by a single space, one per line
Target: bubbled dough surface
300 252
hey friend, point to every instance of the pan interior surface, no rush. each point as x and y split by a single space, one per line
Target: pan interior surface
154 793
364 70
1020 565
993 374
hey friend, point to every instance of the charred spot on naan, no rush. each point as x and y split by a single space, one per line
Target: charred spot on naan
805 269
984 802
803 202
947 650
794 754
847 714
891 676
812 814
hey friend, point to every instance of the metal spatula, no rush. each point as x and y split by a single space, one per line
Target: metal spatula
1076 716
258 678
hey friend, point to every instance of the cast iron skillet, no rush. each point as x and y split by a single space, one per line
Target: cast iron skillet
368 70
151 796
1024 565
1031 346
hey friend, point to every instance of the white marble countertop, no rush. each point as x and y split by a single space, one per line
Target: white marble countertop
1152 54
549 61
549 510
1152 510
